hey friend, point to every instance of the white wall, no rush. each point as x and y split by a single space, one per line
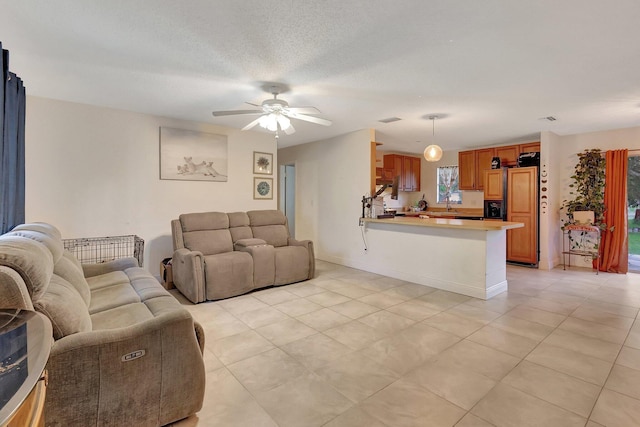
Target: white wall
551 184
94 171
331 177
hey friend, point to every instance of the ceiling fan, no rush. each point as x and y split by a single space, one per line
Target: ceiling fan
276 114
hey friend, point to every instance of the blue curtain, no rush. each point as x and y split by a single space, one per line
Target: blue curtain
12 120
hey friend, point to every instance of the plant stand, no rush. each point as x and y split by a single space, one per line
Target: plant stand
593 253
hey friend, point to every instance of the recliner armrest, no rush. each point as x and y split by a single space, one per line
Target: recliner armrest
188 274
312 257
244 243
294 242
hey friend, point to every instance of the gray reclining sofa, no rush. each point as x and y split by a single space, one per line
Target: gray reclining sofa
220 255
101 313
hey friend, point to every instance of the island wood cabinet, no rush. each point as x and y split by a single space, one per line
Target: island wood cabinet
473 163
522 206
407 167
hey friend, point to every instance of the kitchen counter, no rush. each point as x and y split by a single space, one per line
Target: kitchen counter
463 256
461 224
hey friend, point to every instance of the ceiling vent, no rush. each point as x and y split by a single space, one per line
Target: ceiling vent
390 120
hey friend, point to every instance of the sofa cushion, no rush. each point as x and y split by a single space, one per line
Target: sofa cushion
54 244
228 274
121 317
111 297
239 226
269 225
42 227
266 217
64 307
292 264
70 270
275 235
108 279
30 259
145 285
204 221
209 242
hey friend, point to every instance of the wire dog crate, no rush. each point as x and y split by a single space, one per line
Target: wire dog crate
96 250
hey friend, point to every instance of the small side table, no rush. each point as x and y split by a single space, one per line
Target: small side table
25 342
593 253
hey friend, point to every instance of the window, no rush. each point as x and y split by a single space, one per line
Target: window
448 185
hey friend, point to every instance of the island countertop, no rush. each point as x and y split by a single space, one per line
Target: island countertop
460 224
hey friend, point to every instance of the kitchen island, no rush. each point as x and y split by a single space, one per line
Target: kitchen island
463 256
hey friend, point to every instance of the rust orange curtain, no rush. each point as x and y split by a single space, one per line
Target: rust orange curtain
614 248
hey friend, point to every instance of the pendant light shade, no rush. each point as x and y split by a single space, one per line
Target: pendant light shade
433 153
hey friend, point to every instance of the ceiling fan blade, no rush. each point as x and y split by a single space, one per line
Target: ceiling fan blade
290 130
235 112
255 105
311 119
252 124
304 110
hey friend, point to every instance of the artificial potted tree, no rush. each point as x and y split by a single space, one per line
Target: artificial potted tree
587 190
587 206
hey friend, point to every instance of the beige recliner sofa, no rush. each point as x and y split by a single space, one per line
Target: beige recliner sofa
220 255
125 351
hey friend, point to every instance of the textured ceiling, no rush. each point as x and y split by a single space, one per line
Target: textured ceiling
492 69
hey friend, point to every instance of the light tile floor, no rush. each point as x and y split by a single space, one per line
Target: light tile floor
352 348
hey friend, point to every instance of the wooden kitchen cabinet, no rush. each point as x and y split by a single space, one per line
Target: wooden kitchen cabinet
471 166
407 167
531 147
407 175
508 155
522 206
483 162
493 184
416 165
467 170
393 163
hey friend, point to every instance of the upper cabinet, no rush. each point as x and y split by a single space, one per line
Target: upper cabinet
493 184
407 167
473 163
508 155
467 170
531 147
483 162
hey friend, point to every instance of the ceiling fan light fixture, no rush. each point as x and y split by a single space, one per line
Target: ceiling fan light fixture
272 122
284 122
276 114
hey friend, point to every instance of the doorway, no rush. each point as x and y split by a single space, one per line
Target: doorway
633 212
288 195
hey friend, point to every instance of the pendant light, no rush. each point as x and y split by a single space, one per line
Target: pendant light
433 153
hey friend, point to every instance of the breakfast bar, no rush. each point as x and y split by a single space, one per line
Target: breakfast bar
463 256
